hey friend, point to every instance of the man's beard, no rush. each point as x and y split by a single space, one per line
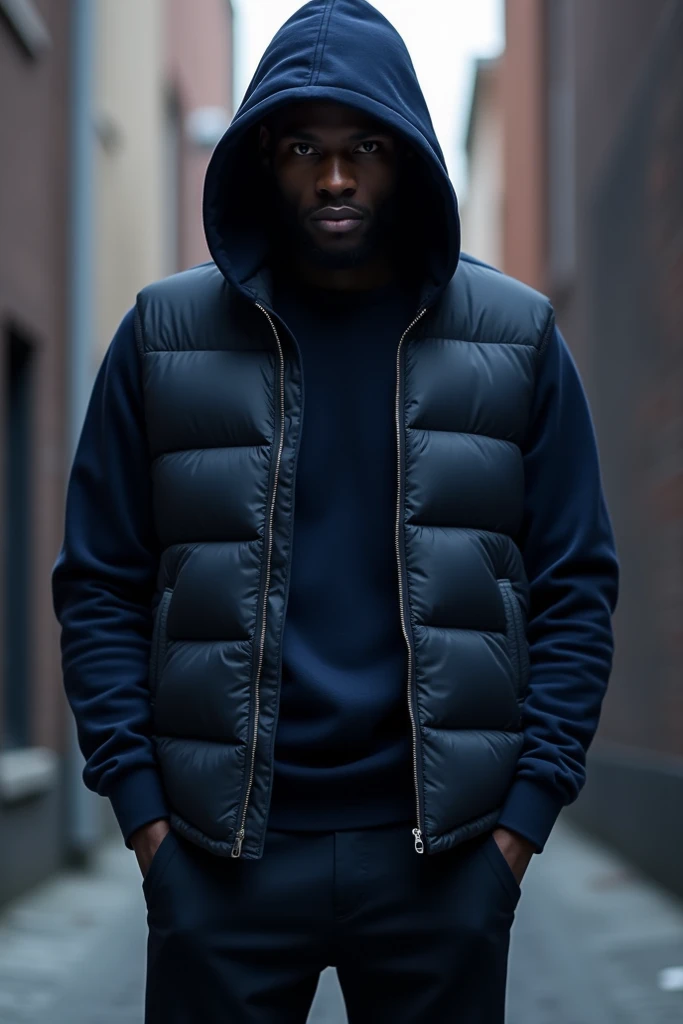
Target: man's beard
296 240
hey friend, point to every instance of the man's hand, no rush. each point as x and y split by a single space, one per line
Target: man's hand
147 840
517 851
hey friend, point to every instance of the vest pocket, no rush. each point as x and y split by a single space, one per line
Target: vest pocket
516 635
159 641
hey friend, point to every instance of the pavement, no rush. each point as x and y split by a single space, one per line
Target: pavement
593 943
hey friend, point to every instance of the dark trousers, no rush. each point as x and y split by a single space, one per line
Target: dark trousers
415 939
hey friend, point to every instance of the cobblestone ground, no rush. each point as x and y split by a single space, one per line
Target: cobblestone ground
592 944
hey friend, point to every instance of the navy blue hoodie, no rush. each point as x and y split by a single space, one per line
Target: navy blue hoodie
104 578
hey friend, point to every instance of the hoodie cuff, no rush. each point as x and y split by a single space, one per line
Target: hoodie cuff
138 799
531 810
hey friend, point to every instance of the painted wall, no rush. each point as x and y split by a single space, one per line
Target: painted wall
130 120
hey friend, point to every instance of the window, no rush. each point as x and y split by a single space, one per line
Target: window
17 556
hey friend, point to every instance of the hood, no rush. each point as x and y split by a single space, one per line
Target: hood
337 51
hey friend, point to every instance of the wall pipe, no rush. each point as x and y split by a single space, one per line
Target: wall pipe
83 821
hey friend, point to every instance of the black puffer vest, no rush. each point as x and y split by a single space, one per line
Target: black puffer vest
223 388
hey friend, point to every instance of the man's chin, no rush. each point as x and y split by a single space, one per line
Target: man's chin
339 257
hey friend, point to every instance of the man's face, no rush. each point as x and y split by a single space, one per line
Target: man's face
335 174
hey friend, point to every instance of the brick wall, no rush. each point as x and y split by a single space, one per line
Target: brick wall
523 101
626 307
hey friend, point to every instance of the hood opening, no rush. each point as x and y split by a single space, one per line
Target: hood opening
319 55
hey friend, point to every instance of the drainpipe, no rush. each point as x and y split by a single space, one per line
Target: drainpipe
83 819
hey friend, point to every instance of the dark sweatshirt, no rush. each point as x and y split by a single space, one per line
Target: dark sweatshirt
342 749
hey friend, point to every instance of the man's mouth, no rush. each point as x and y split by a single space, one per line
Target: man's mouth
337 220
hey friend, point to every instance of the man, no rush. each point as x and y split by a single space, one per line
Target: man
300 631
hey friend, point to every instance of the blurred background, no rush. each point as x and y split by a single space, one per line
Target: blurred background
562 121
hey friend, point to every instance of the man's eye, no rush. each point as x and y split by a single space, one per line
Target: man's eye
302 149
369 147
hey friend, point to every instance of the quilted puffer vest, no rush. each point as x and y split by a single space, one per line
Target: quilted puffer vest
222 385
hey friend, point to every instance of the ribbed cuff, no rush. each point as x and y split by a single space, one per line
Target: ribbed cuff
138 799
531 810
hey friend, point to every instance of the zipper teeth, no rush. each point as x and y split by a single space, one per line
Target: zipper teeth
411 710
257 694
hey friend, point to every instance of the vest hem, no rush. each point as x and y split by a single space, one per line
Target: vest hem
218 847
448 840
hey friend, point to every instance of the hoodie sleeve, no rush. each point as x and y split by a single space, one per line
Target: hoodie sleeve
103 583
569 556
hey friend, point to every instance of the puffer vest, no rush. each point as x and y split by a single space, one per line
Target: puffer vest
223 404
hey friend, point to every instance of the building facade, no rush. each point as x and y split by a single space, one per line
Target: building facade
522 78
199 75
34 87
620 289
593 168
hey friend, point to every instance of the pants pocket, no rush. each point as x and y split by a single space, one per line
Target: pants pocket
160 862
159 642
501 868
516 637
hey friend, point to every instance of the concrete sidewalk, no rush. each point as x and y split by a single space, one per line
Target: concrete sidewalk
593 944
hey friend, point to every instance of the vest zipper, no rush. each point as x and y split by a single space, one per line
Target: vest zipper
417 832
239 838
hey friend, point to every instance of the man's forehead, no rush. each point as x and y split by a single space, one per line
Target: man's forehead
314 117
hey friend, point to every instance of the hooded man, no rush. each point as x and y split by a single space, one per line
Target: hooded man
335 658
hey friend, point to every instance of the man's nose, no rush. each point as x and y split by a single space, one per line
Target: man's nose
336 178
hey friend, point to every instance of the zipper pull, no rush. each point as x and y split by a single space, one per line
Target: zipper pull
419 845
237 848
